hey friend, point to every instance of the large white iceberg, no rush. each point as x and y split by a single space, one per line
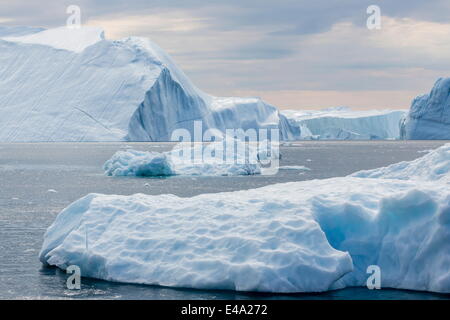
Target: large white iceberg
68 84
308 236
429 116
342 123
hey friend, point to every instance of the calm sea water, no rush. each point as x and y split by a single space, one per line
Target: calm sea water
38 180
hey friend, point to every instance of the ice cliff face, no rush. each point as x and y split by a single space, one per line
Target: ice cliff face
74 85
156 118
429 116
345 124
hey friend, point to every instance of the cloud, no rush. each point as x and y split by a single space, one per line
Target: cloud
319 99
430 40
119 26
292 49
401 60
5 20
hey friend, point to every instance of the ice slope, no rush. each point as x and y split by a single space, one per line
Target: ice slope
307 236
52 94
342 123
429 116
434 166
74 85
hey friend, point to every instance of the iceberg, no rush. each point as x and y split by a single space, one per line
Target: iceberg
429 115
308 236
138 163
206 159
156 119
67 84
434 166
342 123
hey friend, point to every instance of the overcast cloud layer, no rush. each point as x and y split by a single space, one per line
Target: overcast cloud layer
295 54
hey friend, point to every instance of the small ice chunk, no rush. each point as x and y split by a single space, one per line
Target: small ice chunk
295 168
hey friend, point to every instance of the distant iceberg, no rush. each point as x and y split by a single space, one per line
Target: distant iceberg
308 236
342 123
429 116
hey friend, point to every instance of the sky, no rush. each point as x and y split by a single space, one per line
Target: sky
295 54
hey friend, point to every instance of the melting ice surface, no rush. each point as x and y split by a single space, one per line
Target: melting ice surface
308 236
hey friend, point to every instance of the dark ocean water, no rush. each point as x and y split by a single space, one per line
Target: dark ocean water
38 180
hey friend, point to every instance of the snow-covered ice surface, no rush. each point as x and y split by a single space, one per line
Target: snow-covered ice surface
307 236
342 123
200 159
435 165
74 85
429 116
52 94
72 39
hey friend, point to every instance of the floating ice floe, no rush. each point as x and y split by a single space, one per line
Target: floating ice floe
308 236
201 159
295 168
139 163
